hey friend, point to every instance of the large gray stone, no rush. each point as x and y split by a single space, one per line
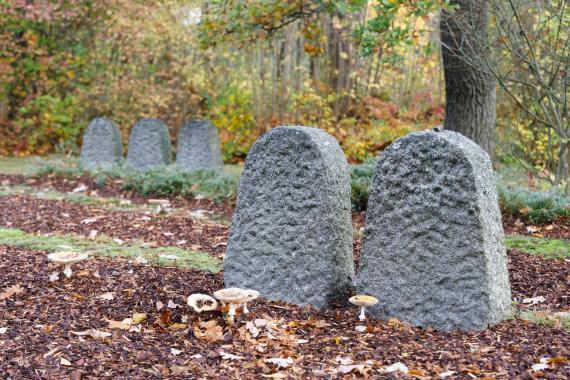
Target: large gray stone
433 249
199 147
149 145
291 236
102 146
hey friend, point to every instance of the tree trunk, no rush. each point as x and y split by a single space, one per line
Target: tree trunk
470 107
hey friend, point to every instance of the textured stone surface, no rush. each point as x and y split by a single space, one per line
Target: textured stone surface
291 235
102 146
199 147
433 249
149 145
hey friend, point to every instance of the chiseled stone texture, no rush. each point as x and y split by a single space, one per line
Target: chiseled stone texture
149 145
199 147
433 250
291 236
102 146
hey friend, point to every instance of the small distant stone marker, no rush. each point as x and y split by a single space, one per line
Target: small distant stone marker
291 236
433 249
102 146
149 145
199 147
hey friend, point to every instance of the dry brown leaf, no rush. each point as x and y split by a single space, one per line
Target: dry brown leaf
209 330
10 291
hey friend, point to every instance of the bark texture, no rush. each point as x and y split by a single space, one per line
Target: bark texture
470 89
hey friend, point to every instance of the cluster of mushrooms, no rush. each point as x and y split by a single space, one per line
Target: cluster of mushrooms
234 298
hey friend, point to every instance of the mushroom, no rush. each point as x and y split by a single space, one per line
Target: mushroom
67 258
363 301
208 303
234 297
251 294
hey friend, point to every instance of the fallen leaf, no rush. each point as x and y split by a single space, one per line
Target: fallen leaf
172 304
227 356
280 362
178 326
210 331
174 351
3 330
169 257
138 318
54 277
64 361
539 367
534 300
107 296
141 260
93 333
443 375
11 291
397 367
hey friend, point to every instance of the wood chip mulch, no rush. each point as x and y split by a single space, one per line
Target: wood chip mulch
65 329
41 216
113 188
560 229
534 276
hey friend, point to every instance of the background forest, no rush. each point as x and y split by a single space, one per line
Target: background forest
365 71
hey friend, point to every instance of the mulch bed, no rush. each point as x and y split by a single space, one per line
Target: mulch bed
560 229
41 216
112 189
41 316
533 276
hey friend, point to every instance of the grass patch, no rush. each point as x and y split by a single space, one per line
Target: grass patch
545 247
547 319
105 246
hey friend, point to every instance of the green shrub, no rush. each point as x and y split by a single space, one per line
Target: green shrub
171 182
360 179
533 207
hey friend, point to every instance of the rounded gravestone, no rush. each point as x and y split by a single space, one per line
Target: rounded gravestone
102 146
199 147
149 145
291 235
433 249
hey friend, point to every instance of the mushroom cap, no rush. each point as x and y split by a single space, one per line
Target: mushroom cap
208 303
232 295
251 294
363 300
67 257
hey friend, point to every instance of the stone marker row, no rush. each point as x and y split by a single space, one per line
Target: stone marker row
433 249
149 145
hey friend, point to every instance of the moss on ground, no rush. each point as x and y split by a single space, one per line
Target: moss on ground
105 246
545 247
